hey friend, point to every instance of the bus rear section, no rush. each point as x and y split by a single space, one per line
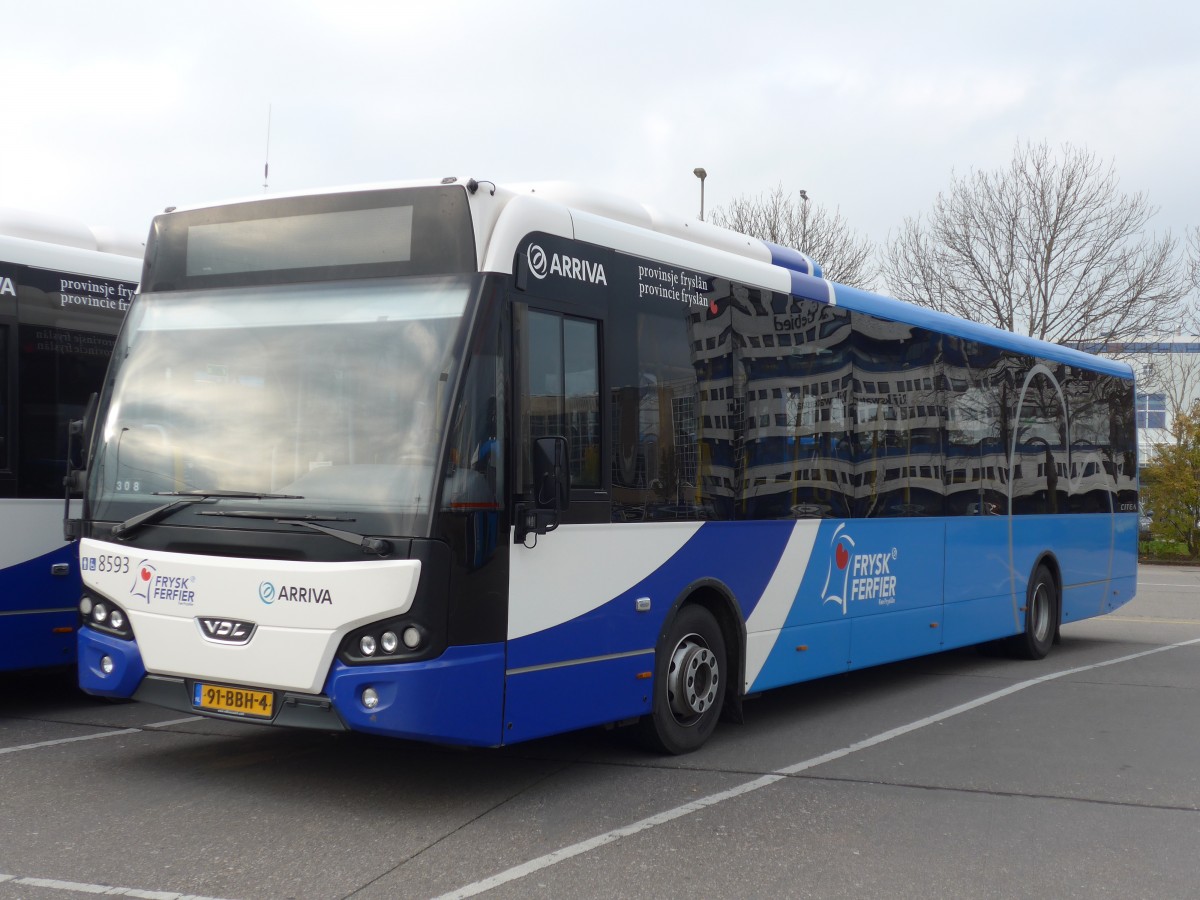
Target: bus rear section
63 293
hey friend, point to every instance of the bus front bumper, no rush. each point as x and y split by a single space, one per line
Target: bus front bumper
457 698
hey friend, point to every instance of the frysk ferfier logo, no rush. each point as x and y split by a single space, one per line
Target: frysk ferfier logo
854 576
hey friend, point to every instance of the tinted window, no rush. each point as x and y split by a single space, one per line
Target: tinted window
560 390
58 369
4 398
898 421
765 406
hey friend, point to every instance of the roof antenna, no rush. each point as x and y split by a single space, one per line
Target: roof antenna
267 158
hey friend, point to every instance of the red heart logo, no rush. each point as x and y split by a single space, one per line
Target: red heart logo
843 557
716 311
146 573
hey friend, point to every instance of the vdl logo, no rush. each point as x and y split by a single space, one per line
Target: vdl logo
266 592
542 264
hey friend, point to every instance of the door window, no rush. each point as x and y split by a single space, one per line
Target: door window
560 389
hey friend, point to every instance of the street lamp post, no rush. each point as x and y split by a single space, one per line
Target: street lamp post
701 174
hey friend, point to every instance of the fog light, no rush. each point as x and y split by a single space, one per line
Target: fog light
389 642
99 612
85 605
117 619
367 645
107 665
412 638
370 699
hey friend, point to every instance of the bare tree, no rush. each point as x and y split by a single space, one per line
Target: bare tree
803 225
1173 375
1048 246
1176 375
1192 276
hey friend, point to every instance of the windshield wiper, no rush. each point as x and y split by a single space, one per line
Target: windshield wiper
380 546
158 513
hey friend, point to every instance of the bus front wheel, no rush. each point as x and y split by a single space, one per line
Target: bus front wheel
689 683
1041 617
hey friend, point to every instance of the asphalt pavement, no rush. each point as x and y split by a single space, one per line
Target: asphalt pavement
958 775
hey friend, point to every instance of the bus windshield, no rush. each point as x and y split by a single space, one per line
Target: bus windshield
334 392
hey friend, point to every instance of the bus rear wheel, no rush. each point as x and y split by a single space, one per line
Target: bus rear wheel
689 683
1041 617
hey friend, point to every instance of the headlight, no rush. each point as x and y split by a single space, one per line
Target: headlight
104 615
391 641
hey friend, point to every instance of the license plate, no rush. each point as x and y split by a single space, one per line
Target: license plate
235 701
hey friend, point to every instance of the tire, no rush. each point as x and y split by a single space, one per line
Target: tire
1041 617
690 669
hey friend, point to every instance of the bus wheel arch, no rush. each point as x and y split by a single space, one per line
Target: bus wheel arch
1043 611
698 664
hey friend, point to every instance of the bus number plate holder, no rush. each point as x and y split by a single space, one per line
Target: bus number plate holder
233 701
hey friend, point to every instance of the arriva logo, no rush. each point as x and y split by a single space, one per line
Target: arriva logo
266 592
542 264
854 576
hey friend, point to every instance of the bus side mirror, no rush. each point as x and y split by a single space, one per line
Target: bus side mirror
551 489
75 479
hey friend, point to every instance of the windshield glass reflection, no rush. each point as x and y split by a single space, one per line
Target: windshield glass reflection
335 392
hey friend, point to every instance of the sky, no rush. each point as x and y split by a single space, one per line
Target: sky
111 111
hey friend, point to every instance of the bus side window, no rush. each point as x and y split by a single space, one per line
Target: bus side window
560 392
3 398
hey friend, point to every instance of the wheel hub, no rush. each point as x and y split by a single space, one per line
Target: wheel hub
692 680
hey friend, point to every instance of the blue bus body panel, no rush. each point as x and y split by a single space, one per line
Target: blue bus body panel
553 700
739 555
457 698
872 591
127 672
33 603
869 591
803 652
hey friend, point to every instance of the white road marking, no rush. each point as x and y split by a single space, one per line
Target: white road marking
70 740
107 890
97 735
565 853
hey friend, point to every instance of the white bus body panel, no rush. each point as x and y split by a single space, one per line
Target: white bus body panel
302 610
582 556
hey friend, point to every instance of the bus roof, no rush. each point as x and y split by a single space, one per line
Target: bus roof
64 232
505 214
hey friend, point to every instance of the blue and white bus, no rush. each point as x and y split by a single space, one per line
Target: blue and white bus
63 291
478 464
